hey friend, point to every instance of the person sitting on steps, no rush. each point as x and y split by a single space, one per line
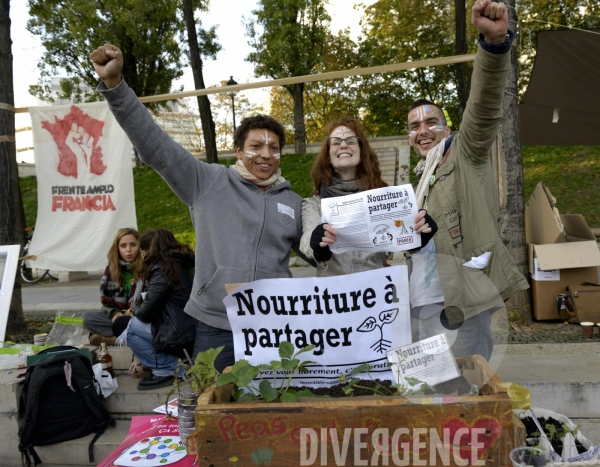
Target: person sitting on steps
161 332
120 286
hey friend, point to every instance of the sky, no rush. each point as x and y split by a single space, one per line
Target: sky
228 15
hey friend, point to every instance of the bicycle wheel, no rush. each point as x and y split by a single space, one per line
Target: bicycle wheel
29 275
50 275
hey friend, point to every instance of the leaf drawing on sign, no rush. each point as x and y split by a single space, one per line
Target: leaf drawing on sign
369 324
388 316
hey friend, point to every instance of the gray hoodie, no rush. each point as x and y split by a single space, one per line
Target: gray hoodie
242 233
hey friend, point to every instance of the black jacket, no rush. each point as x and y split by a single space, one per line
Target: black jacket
172 329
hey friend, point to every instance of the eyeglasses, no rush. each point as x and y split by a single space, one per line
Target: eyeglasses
350 141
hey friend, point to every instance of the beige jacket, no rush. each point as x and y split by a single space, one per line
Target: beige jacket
464 203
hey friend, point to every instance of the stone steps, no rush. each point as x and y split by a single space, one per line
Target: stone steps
123 404
75 452
566 384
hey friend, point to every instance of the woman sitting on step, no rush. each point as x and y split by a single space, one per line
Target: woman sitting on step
120 287
160 329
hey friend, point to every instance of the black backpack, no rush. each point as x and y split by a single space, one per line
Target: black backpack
52 412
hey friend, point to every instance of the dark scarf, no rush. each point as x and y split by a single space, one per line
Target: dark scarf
340 188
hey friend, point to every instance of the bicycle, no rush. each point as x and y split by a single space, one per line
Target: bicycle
30 275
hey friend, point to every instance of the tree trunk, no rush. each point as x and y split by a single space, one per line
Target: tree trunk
11 206
208 124
513 215
462 87
299 130
138 161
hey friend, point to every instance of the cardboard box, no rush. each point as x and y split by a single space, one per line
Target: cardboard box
562 251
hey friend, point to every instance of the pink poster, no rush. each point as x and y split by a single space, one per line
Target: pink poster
153 440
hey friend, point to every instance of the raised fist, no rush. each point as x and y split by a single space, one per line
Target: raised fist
491 19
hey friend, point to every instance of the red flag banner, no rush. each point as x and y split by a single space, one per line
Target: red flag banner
83 163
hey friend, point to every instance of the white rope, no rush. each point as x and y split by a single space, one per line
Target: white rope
561 26
306 78
551 24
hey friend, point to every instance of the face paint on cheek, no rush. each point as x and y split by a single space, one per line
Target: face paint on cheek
437 128
277 155
411 133
249 154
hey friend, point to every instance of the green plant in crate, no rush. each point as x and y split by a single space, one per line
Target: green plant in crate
243 374
410 387
203 372
198 375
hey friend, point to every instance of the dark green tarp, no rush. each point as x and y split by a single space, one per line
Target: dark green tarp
562 103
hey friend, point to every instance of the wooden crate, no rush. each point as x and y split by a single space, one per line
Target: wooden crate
431 430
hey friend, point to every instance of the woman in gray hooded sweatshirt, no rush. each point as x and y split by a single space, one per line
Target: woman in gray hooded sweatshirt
246 217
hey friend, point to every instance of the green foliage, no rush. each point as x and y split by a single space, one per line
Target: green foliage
29 194
295 168
411 386
243 374
556 434
324 100
572 173
287 36
281 106
398 31
146 32
199 375
202 373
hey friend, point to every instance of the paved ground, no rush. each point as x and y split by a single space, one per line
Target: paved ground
50 296
43 300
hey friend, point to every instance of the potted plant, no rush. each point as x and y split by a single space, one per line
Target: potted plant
199 375
529 456
242 374
252 429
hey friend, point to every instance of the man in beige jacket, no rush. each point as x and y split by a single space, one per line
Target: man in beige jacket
467 273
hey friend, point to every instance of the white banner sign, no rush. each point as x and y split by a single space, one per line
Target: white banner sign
9 259
85 185
350 319
375 220
430 361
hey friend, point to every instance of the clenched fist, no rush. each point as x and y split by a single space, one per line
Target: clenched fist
108 63
491 19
